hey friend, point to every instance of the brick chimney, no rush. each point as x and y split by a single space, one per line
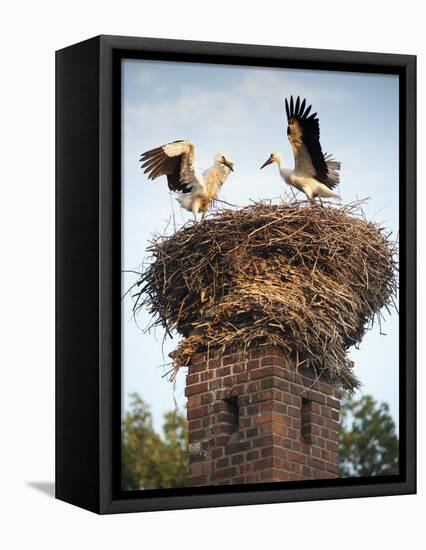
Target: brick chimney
253 418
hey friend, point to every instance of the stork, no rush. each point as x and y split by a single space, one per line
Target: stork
316 174
194 191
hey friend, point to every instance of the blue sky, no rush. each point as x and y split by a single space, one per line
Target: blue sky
240 111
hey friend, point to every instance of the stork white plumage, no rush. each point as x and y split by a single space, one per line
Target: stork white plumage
195 192
316 174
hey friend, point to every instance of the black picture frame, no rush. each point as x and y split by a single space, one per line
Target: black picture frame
88 377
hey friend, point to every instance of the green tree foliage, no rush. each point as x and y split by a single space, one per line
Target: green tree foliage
368 443
148 460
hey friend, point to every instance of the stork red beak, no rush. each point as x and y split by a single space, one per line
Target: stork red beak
269 161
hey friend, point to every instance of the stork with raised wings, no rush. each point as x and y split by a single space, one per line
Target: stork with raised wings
316 174
194 191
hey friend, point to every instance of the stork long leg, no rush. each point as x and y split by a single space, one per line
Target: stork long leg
293 193
195 208
309 196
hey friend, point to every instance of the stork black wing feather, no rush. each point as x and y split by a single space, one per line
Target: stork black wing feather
296 108
310 135
157 163
287 109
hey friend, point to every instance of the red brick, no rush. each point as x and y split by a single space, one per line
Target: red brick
223 371
263 463
325 433
267 451
217 452
237 459
266 395
267 383
222 463
194 424
263 372
287 398
198 480
281 384
307 472
229 360
253 410
315 463
198 359
255 353
206 467
224 416
238 447
296 424
238 480
193 402
252 455
332 424
252 432
333 403
195 435
229 380
316 452
220 440
207 398
262 418
293 411
317 397
282 453
271 361
253 364
207 375
252 478
332 446
280 475
325 455
266 406
246 467
195 469
297 457
265 428
196 388
220 406
244 400
320 442
223 474
192 379
325 412
192 369
332 468
220 429
262 441
197 457
239 367
245 422
197 412
215 384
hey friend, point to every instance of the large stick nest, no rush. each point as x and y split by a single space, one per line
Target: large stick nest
308 279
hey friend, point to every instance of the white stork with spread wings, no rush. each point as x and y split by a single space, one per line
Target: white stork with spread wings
316 174
194 191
